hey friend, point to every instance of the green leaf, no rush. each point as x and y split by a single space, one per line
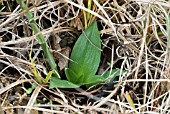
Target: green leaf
29 90
111 76
81 80
71 75
91 80
48 77
86 52
94 79
58 83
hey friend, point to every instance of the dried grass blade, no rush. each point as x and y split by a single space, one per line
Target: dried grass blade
13 85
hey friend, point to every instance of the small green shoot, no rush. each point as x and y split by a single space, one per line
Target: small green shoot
89 7
87 15
34 70
48 77
29 90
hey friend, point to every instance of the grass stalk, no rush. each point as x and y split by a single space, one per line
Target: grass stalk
39 37
89 7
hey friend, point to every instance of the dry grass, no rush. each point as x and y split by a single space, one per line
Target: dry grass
135 38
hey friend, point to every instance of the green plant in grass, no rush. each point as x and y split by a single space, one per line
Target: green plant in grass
85 57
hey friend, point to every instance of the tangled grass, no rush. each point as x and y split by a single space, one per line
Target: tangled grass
135 37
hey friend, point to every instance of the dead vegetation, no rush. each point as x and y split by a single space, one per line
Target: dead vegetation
135 37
